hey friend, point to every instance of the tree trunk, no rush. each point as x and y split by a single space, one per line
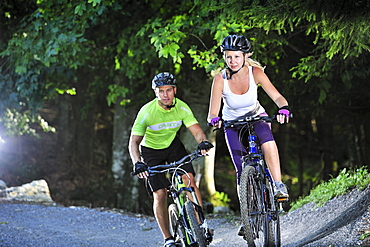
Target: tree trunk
124 184
209 169
128 189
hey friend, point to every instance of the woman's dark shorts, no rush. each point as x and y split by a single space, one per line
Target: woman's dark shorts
153 157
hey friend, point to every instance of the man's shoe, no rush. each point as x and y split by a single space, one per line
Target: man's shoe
209 235
169 243
241 231
281 190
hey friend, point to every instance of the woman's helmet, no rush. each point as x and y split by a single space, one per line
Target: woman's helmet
236 43
163 79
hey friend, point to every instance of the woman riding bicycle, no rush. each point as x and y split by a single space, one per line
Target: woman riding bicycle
237 86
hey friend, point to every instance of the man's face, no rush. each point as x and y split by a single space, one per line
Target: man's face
165 95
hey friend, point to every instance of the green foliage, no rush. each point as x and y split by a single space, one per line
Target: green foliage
165 36
61 33
116 92
71 91
346 180
220 199
331 32
17 124
46 41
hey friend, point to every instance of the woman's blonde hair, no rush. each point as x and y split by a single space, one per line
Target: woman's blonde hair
250 62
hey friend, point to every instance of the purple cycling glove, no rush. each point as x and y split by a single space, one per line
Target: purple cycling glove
214 121
285 110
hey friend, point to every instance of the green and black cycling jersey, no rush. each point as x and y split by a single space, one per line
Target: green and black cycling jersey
159 126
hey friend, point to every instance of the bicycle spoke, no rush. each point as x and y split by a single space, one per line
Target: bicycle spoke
176 229
273 210
251 205
197 231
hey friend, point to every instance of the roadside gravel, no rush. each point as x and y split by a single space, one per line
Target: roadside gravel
339 223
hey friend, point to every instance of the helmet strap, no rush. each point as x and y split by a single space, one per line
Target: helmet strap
171 106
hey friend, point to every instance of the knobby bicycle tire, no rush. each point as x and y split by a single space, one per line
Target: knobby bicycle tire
274 235
252 212
198 232
176 228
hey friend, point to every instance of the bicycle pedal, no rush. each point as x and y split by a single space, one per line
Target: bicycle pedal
210 231
283 199
281 212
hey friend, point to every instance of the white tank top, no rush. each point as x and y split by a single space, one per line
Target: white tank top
241 105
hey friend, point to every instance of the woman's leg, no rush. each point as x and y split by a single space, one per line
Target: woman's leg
236 150
271 154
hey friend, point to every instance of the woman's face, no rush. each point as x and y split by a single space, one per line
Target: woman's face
234 59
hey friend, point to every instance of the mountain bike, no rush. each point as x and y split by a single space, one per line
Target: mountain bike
188 224
259 209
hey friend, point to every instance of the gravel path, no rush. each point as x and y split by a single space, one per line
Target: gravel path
339 223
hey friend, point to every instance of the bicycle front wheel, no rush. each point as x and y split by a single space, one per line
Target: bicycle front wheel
176 228
273 208
197 231
252 210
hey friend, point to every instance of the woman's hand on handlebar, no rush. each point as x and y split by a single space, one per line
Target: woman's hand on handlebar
283 115
216 122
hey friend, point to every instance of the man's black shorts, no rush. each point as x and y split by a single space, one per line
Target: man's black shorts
153 157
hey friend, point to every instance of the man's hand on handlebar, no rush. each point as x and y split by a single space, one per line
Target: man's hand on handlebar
204 147
141 169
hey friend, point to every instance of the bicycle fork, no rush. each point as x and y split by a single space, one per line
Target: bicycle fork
180 196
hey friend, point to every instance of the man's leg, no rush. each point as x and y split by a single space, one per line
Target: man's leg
190 176
161 211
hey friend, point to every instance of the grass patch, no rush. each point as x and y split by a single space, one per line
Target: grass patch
363 236
220 199
345 181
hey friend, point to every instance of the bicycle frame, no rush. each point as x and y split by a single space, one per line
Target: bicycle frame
180 192
260 214
255 158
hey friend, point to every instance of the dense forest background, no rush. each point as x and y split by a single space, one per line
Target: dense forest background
73 75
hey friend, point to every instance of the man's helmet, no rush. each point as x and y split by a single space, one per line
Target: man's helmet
236 43
163 79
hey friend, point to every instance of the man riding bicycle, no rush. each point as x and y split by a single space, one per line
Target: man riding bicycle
154 141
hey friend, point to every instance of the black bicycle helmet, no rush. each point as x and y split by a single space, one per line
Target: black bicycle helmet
163 79
236 43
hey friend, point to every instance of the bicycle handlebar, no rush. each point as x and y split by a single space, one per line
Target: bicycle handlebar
245 120
163 168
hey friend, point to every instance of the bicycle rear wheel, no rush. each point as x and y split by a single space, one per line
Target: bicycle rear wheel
252 210
273 208
197 231
176 228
